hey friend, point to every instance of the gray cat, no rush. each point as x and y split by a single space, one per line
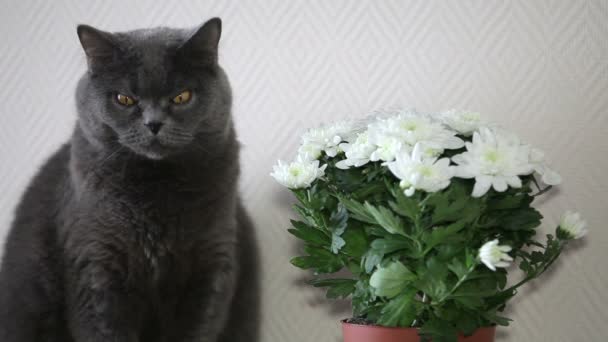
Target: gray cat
134 231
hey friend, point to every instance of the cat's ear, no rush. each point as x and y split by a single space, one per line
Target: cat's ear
200 48
98 45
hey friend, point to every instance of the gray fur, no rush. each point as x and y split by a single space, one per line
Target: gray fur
126 235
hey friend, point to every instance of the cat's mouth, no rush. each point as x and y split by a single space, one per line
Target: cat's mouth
152 148
157 147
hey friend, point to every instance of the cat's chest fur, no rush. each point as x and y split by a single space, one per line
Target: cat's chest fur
149 230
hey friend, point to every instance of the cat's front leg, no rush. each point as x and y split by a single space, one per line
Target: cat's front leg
100 306
205 305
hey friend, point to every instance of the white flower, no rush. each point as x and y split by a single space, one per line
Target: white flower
463 122
418 173
411 128
299 173
357 153
326 139
494 255
548 176
495 159
386 147
309 150
572 226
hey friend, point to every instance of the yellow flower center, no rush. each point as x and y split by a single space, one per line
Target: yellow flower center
470 117
492 156
425 171
409 126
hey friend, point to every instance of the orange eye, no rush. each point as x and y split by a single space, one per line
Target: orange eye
182 98
125 100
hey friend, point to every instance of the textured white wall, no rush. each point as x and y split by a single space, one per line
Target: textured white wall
538 67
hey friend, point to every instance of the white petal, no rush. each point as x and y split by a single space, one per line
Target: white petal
464 172
342 164
409 191
332 152
502 264
443 163
505 248
482 185
500 184
514 181
417 152
415 178
551 177
488 264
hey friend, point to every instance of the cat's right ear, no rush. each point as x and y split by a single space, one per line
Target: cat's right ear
200 48
98 45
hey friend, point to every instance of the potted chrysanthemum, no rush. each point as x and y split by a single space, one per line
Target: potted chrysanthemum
427 213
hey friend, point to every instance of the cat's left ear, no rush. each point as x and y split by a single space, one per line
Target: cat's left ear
98 45
201 46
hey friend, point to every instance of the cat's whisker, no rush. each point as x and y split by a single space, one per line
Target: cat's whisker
200 147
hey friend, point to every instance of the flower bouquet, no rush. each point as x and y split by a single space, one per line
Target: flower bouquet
426 212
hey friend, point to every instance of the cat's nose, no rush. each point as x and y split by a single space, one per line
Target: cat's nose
154 126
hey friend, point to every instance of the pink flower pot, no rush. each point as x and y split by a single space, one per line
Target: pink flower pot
374 333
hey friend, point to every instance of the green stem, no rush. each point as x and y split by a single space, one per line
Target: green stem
535 182
536 273
424 298
456 286
542 191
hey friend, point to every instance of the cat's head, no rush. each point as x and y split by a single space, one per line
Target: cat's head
154 91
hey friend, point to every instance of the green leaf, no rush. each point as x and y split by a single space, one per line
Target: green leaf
454 203
386 219
400 311
371 259
480 285
448 252
347 181
521 219
467 323
447 312
499 300
537 257
459 268
356 241
306 215
318 198
368 190
357 210
354 268
386 246
440 235
319 259
509 201
337 225
337 288
337 242
433 278
501 278
391 280
461 265
439 330
363 300
339 219
404 206
494 318
471 302
309 234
